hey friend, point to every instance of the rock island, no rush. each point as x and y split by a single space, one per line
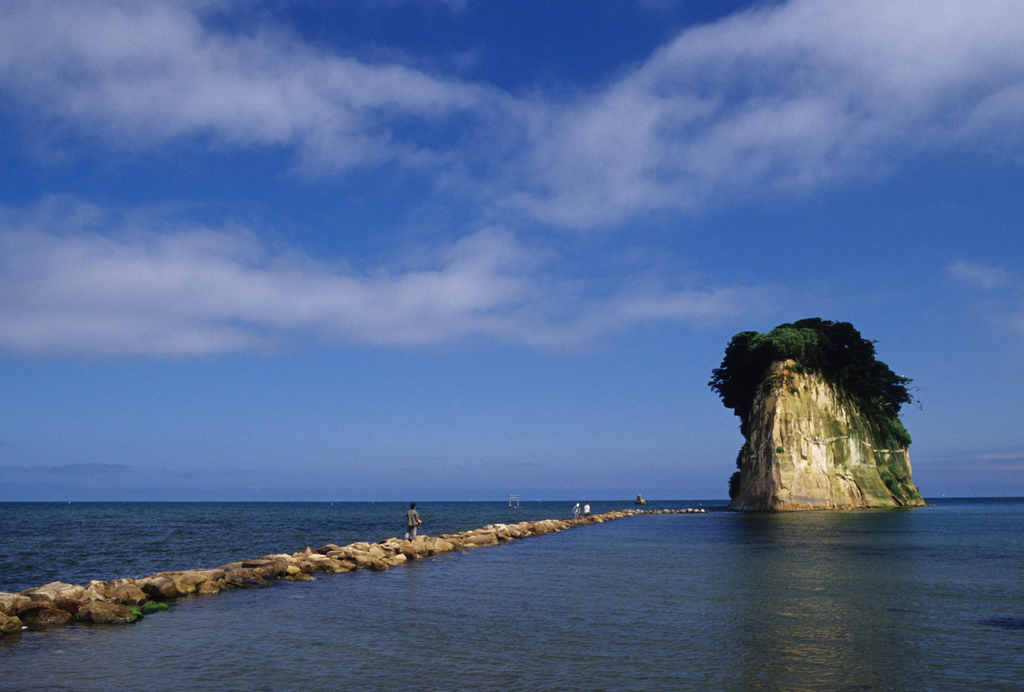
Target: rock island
819 414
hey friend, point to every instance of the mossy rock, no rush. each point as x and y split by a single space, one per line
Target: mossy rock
152 607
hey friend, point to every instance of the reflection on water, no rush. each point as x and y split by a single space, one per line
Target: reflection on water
877 599
819 591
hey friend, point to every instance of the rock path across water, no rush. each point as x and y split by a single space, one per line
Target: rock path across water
122 601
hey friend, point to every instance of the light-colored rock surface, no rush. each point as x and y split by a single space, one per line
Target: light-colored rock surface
9 603
808 449
54 590
9 624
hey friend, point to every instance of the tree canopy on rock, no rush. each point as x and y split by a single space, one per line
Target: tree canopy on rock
835 350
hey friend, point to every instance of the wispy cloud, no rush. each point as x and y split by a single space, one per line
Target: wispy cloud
983 276
75 281
1002 292
140 73
1003 460
789 97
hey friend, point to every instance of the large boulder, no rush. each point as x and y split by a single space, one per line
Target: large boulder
28 610
129 594
333 566
516 531
53 616
300 576
480 540
210 587
243 579
453 540
272 566
196 577
351 550
69 604
376 551
310 564
103 613
308 551
98 591
9 624
184 587
159 587
441 545
9 603
410 552
365 561
53 590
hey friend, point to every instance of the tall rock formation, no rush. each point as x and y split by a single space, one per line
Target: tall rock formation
820 418
809 447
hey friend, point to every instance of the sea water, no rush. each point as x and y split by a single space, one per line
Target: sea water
930 598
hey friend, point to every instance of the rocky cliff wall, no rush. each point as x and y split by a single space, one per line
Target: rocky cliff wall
810 448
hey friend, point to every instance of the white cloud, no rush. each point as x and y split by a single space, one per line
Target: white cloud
785 98
143 72
75 281
983 276
1003 290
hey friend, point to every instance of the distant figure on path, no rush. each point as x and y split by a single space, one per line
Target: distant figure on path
412 522
586 509
576 511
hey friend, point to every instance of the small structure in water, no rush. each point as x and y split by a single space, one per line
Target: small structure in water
640 500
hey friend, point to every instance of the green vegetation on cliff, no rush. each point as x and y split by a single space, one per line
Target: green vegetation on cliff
835 350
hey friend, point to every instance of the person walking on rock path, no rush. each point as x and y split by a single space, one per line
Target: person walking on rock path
412 522
586 509
576 511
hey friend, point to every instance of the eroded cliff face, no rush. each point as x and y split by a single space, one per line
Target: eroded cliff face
808 448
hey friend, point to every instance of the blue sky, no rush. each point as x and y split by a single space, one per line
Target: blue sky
455 249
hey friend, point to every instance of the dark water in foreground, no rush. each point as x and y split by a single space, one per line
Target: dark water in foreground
923 599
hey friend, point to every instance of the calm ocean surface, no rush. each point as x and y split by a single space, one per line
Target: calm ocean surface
924 599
